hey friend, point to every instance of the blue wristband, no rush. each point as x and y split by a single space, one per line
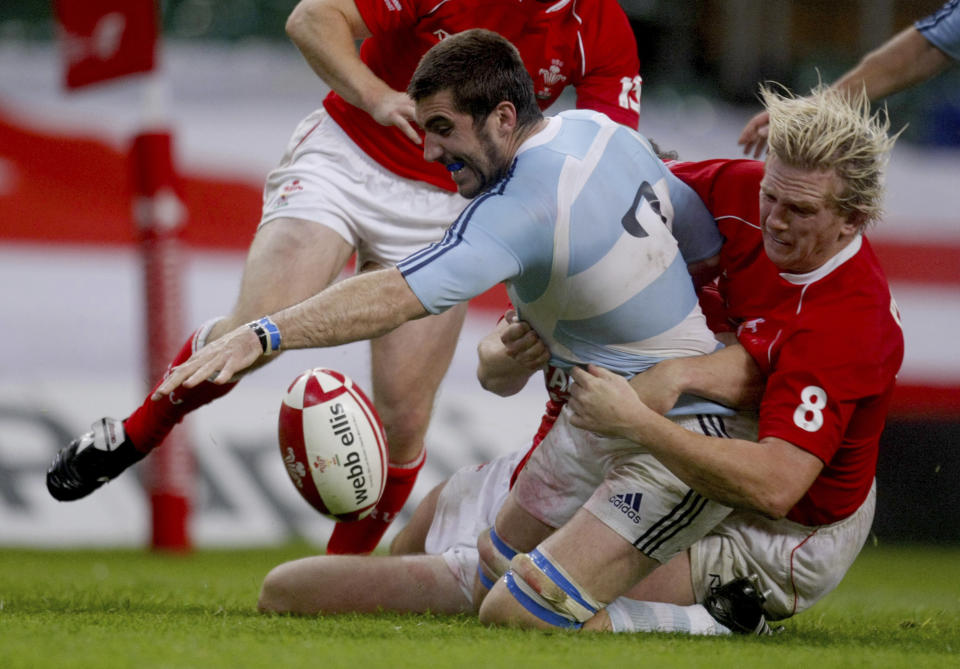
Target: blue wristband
268 333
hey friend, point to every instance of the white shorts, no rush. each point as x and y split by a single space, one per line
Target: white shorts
797 565
467 505
622 485
324 177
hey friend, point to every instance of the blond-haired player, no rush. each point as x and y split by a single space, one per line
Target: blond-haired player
812 309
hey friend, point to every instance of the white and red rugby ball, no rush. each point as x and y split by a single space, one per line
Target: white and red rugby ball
333 444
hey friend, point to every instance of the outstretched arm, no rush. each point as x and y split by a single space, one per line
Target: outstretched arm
361 307
325 32
905 60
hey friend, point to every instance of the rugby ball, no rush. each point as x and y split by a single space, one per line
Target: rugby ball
333 444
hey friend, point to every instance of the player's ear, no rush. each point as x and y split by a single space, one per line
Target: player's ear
855 221
505 117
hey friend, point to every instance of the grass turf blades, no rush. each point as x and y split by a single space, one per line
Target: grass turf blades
899 606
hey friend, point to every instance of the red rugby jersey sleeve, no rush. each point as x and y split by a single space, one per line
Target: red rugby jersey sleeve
610 82
717 181
700 176
385 15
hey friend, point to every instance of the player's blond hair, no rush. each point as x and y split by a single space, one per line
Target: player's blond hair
829 129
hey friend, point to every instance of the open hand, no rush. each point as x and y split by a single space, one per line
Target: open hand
219 361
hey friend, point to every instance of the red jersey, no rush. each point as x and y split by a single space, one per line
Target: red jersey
589 45
829 341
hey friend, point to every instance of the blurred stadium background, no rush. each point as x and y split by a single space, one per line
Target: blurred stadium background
231 89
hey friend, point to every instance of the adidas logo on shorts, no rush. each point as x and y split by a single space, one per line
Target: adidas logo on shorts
629 505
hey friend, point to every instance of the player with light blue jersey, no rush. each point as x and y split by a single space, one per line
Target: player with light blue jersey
580 231
942 28
574 213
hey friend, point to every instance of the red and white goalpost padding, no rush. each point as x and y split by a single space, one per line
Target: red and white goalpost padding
160 216
103 40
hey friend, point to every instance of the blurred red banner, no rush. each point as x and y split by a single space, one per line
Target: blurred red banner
105 39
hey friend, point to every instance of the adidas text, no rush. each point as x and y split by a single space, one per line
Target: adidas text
629 505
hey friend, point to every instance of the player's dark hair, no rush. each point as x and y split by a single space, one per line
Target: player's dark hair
663 154
481 69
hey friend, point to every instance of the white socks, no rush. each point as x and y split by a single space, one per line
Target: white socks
631 615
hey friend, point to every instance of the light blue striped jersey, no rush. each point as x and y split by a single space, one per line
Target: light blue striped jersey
580 231
942 28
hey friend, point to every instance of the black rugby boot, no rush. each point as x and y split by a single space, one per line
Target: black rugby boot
91 460
738 605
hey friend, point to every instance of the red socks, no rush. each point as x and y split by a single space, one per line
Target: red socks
152 421
362 536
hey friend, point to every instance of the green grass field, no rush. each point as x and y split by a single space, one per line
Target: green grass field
898 607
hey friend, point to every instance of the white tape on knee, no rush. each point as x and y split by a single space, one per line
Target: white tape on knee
555 586
500 554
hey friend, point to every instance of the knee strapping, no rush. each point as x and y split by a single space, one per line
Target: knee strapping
547 591
494 559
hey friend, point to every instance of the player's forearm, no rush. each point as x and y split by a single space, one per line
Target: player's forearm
729 377
733 472
905 60
325 32
362 307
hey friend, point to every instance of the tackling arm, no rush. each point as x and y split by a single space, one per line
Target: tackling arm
729 377
325 32
768 477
